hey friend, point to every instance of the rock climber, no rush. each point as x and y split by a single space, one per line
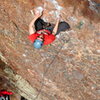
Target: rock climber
43 33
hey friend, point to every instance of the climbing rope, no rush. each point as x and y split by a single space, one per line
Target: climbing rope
64 41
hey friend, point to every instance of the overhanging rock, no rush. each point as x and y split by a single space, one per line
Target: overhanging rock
68 69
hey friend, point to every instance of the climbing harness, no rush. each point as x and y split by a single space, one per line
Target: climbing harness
44 30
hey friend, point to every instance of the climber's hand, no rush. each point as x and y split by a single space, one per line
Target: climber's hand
59 17
37 13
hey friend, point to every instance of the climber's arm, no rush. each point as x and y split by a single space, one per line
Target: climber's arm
31 25
55 28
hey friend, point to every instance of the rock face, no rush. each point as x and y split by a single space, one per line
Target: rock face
69 68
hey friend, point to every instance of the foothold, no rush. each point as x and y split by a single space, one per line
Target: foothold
73 19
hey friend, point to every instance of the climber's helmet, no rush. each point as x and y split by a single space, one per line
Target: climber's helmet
38 43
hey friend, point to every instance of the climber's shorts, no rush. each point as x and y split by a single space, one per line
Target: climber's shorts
40 24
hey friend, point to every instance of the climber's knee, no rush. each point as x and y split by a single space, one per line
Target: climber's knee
63 26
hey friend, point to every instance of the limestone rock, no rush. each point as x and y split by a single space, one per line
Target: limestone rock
68 69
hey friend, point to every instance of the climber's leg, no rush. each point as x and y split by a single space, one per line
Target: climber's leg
63 26
39 23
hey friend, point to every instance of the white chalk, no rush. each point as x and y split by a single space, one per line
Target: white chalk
40 9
